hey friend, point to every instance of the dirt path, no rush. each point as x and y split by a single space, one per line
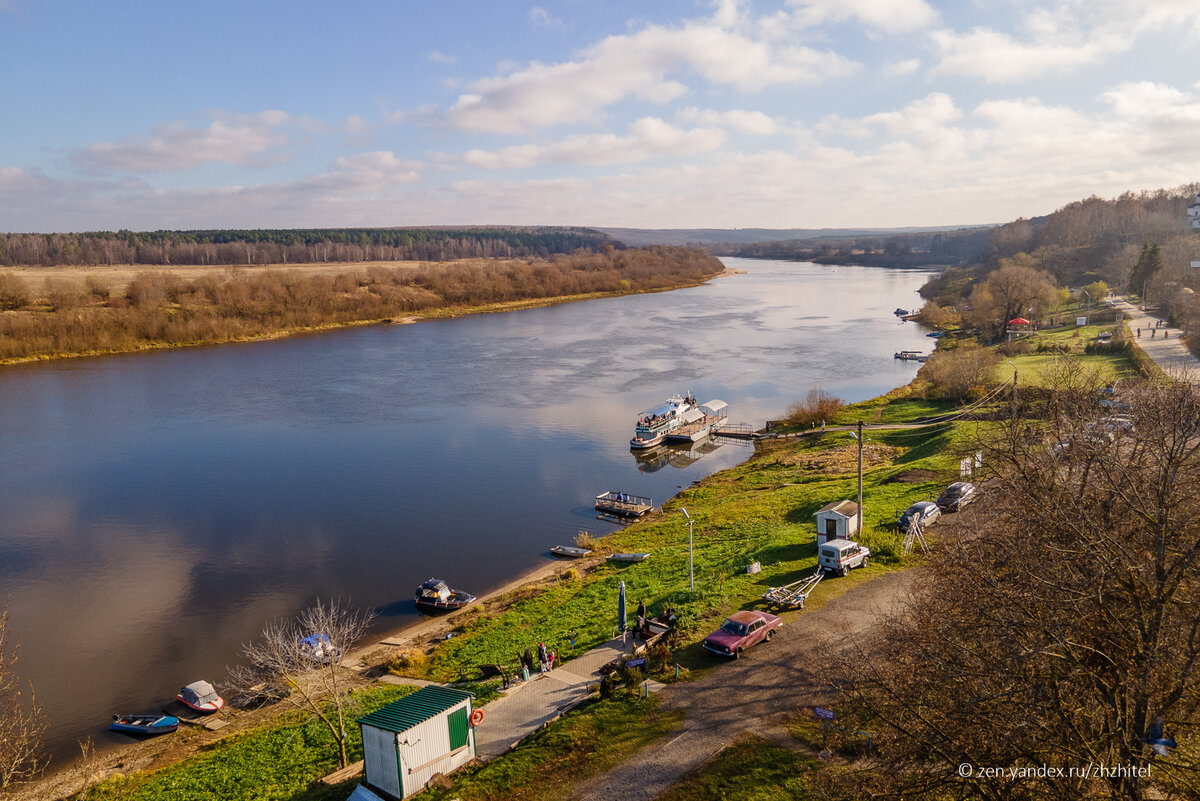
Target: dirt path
757 693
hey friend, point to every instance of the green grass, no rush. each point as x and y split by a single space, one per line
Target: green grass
278 762
585 742
752 769
1036 368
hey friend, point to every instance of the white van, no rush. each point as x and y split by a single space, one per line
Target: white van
840 556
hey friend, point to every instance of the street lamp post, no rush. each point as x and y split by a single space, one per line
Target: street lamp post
691 564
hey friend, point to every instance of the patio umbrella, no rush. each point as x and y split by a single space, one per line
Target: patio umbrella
621 613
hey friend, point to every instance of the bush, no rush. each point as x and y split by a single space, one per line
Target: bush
817 407
14 292
953 375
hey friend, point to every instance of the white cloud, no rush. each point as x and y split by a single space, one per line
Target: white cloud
645 65
999 58
898 69
1059 37
743 121
441 58
648 138
542 18
229 139
889 16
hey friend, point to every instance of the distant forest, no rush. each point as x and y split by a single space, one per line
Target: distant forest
302 246
917 249
1092 240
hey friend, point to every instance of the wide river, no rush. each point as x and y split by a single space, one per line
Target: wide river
157 508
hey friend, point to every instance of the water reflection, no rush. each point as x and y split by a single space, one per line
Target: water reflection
160 508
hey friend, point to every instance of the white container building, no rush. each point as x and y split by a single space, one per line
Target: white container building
408 742
837 521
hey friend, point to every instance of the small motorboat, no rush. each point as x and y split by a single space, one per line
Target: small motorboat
569 551
901 312
148 725
628 557
435 596
319 648
200 696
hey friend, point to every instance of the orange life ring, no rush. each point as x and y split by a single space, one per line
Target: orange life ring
477 717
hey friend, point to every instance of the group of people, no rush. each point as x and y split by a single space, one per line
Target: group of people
642 623
1160 324
543 662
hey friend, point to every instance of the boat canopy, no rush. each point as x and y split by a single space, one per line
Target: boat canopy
713 407
199 692
662 410
692 416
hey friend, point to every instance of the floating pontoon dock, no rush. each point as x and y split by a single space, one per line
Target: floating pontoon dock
622 504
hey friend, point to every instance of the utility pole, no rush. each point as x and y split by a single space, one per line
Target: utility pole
691 569
860 446
1014 404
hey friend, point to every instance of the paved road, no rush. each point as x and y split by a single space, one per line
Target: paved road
1168 351
757 693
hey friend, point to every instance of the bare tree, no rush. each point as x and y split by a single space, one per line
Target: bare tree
22 723
1056 629
1010 292
304 656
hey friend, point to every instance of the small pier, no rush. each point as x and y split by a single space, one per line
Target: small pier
623 504
737 431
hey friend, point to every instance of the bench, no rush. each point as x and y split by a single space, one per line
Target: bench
505 675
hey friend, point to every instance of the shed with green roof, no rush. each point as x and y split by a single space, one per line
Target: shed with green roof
408 742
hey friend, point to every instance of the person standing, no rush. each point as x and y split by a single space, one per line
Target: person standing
543 657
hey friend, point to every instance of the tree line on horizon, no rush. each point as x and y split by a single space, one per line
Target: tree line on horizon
294 246
160 308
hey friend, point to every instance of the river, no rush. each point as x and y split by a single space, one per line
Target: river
158 508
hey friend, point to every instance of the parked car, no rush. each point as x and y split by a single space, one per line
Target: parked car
921 513
841 556
740 631
1116 422
956 496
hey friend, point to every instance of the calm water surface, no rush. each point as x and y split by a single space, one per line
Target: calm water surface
156 509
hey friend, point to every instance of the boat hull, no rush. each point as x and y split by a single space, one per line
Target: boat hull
641 444
144 725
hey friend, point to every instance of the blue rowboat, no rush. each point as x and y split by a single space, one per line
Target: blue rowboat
144 724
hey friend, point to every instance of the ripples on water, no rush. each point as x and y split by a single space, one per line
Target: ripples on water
160 507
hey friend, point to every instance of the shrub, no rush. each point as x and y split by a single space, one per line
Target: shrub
14 292
817 407
953 375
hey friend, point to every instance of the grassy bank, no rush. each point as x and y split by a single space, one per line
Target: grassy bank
759 511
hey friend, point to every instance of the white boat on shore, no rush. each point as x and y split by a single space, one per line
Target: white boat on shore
654 424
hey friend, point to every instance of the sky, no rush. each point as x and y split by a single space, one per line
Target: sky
145 114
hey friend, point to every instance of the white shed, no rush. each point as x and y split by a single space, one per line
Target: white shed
409 741
837 521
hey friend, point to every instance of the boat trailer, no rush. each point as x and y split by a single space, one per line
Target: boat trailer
796 593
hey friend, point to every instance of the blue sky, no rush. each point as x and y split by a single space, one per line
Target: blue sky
677 113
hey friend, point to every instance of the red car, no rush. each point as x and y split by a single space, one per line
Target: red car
741 630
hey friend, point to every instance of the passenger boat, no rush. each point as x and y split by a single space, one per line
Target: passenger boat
628 557
911 356
569 551
653 425
435 596
699 421
200 696
144 724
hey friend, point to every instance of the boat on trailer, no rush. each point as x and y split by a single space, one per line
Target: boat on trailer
653 425
436 596
148 725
